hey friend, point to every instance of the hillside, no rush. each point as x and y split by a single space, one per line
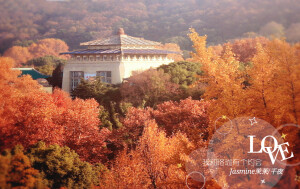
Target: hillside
75 21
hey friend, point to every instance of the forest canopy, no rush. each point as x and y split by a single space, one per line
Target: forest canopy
167 21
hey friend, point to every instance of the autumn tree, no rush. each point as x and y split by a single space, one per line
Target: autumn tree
127 172
261 91
30 115
275 65
244 49
44 47
17 172
148 88
157 162
187 116
20 55
224 78
80 118
49 46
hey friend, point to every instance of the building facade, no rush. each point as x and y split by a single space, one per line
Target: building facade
112 59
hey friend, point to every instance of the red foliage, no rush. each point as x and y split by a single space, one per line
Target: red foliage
188 116
29 115
244 49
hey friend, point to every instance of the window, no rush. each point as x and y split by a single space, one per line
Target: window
91 58
85 58
105 76
78 58
75 78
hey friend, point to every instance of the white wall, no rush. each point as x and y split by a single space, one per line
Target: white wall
119 69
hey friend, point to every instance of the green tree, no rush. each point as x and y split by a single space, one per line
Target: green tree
106 95
62 167
183 72
102 92
46 64
57 75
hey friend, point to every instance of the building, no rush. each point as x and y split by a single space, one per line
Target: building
38 76
113 59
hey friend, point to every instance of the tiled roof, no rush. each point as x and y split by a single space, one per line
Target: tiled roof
95 51
121 40
123 51
147 51
32 72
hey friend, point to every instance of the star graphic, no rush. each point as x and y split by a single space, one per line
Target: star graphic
253 121
283 135
263 181
224 117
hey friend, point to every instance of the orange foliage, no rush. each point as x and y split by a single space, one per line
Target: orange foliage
29 115
42 48
16 172
224 78
157 162
276 64
20 54
49 46
272 92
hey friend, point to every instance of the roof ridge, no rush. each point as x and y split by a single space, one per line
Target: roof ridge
122 39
